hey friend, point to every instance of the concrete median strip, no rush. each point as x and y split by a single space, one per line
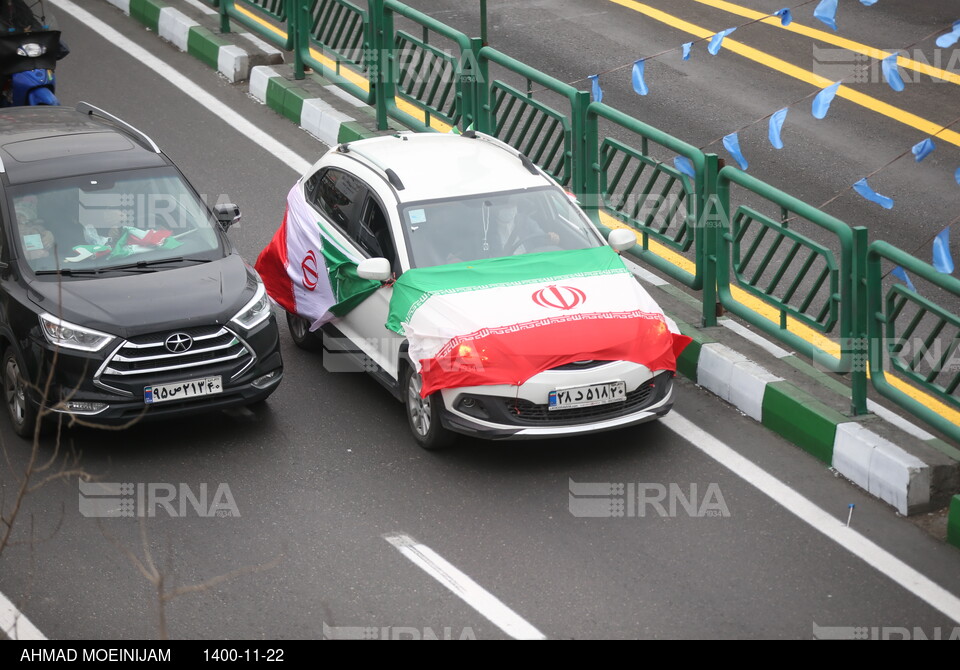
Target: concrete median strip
869 451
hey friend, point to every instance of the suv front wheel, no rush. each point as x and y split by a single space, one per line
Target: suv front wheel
301 335
423 414
23 415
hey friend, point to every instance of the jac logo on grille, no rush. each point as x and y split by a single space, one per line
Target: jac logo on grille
178 343
559 297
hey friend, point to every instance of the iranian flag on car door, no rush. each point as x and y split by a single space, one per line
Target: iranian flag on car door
503 320
306 271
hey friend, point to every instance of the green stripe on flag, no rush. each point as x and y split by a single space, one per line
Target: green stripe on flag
349 289
416 286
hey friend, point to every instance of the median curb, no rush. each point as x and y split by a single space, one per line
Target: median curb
807 411
190 35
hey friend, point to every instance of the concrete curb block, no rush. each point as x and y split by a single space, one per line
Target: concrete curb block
190 36
953 522
314 115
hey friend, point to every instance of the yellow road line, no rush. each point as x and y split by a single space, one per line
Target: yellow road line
816 338
355 78
774 63
830 38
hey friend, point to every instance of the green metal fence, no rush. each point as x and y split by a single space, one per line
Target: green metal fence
907 331
267 18
799 275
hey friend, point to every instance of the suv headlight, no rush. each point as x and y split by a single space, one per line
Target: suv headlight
70 336
256 311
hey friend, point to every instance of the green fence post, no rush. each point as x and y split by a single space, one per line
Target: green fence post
483 123
591 160
859 337
470 85
224 17
580 167
296 27
713 219
381 33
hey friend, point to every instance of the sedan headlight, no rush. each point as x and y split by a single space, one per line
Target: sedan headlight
256 311
70 336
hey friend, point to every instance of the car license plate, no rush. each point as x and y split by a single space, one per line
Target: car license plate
588 396
182 390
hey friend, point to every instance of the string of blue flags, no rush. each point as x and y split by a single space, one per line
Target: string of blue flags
825 12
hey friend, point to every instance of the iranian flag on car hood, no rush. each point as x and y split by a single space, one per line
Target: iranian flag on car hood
503 320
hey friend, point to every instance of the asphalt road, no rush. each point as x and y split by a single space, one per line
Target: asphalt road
322 474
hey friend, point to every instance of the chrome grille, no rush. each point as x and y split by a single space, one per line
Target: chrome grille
144 358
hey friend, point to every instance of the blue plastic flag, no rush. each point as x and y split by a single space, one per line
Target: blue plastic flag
716 42
923 149
868 3
821 103
732 144
776 125
826 11
942 260
683 164
596 93
890 72
901 274
956 175
686 50
951 38
863 188
785 17
639 85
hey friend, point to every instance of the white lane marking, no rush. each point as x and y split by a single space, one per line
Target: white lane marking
15 625
468 590
206 9
759 340
865 549
283 154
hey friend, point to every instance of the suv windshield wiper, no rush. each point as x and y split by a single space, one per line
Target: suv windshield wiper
142 265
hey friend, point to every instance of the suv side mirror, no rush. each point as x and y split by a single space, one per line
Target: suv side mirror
227 214
377 269
621 239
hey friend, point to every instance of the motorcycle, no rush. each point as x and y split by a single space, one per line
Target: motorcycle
30 47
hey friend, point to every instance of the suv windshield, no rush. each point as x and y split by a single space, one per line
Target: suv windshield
495 224
101 221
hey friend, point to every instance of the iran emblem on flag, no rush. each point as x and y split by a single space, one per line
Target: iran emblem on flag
305 271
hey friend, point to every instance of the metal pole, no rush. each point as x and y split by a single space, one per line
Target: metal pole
483 22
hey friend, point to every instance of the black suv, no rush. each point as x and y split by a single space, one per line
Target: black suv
121 296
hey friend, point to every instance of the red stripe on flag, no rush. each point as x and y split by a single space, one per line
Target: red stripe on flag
272 266
514 355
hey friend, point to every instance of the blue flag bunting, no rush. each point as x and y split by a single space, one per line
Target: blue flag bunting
683 164
826 11
951 38
868 3
776 125
732 144
923 149
901 274
686 50
890 72
821 103
863 188
639 85
596 94
716 42
956 175
785 17
942 260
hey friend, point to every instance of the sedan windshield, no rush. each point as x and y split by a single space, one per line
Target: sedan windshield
102 221
493 225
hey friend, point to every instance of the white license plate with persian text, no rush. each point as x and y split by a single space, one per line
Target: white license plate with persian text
588 396
182 390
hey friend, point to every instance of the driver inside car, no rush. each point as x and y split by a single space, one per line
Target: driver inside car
511 232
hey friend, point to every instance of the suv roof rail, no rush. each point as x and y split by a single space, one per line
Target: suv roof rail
87 108
530 166
392 176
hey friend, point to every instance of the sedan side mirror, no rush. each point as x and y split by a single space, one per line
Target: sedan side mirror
227 214
377 269
621 239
